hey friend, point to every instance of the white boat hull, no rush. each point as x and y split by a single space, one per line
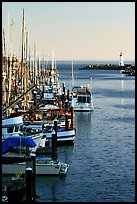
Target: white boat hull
14 124
18 120
35 125
11 126
41 169
63 136
37 139
82 99
83 107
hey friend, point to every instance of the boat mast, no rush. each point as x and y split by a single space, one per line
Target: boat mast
52 69
43 71
91 83
10 60
4 71
35 68
29 65
72 72
23 61
38 69
22 56
52 59
3 45
25 67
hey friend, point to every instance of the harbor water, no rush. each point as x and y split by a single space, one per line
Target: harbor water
102 160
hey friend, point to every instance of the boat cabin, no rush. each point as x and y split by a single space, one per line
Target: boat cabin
83 99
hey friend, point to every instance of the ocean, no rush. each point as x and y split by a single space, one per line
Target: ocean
102 160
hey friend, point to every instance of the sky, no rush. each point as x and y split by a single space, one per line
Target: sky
78 30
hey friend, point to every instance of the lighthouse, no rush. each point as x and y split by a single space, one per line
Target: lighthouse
121 63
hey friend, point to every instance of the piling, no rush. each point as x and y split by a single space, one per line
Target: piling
35 98
34 177
27 151
54 141
66 121
66 105
43 88
68 91
60 107
54 146
28 184
63 97
63 84
72 116
55 125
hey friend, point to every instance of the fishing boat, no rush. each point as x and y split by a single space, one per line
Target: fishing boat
66 130
44 166
33 127
64 136
13 126
16 141
82 98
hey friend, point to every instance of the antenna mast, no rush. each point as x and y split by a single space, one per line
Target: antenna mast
72 73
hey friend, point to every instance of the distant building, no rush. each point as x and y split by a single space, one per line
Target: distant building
121 63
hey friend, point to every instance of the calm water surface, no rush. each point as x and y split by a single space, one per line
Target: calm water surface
102 161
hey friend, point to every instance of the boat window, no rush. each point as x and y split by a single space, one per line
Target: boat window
16 129
80 99
88 99
84 99
21 128
10 129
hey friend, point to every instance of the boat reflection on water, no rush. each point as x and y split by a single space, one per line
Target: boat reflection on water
50 184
